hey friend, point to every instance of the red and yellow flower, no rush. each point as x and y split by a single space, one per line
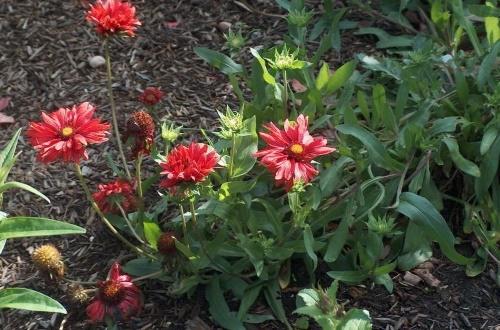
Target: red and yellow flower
112 194
290 152
118 296
188 164
113 16
64 134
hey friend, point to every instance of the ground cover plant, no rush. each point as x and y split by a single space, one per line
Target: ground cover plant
317 170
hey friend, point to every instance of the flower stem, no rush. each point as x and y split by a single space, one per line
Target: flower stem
113 107
285 95
129 224
193 212
139 182
233 154
104 219
159 272
184 226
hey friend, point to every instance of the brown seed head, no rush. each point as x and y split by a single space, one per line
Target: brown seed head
48 259
166 243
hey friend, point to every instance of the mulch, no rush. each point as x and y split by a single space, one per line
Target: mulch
44 51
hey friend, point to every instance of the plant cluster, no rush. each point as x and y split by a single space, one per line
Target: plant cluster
348 170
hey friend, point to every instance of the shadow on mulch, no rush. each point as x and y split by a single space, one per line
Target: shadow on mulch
44 51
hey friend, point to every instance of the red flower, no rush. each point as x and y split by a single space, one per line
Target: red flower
290 152
65 133
141 131
119 191
151 96
113 16
117 296
188 164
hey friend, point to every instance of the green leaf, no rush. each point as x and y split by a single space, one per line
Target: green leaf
382 108
483 10
7 154
423 213
323 75
19 185
142 266
444 125
21 298
222 62
349 276
487 66
2 245
331 177
386 281
488 138
249 297
462 164
265 74
377 151
340 77
489 169
152 232
355 319
31 226
245 146
273 297
218 307
416 249
309 245
386 40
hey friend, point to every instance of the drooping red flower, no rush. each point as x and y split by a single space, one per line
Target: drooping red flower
65 133
290 151
118 296
188 164
140 132
151 96
112 17
109 194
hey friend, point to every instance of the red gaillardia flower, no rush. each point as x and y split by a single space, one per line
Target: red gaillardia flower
113 16
289 152
109 194
188 164
151 96
141 131
65 133
118 296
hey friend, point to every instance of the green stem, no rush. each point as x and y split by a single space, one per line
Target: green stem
184 226
154 274
129 224
113 107
103 217
193 212
231 164
139 182
285 95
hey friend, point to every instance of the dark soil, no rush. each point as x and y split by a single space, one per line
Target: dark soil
44 49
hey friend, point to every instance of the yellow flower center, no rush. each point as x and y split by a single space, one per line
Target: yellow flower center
297 149
111 289
67 131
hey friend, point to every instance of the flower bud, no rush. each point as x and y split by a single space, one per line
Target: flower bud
231 123
234 40
299 18
169 133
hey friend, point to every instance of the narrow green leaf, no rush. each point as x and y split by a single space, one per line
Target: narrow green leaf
423 213
377 150
249 297
349 276
218 307
323 75
487 66
309 246
8 153
31 226
142 266
222 62
265 74
19 185
462 164
152 232
340 77
355 319
331 177
489 169
245 146
21 298
488 138
272 294
382 108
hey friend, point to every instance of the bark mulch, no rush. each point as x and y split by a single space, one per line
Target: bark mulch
44 51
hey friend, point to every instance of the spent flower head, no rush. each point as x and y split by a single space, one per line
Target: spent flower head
299 18
166 243
169 133
231 123
140 132
47 259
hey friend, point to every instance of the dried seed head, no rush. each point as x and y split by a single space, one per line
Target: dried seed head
78 294
141 129
166 243
48 260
